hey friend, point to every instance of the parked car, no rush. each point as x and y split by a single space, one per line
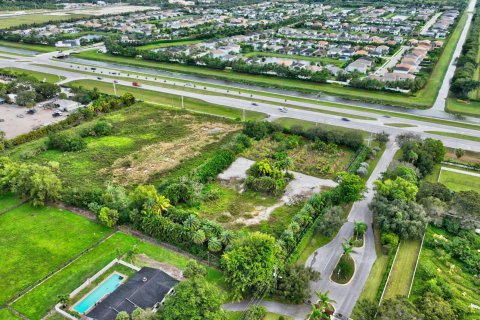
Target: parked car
56 114
31 111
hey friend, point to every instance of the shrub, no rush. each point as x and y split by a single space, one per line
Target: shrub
255 129
66 141
255 312
99 129
108 217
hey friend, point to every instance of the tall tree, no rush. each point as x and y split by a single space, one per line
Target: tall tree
251 263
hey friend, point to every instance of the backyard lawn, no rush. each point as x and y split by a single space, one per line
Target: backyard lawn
37 241
335 62
402 270
7 201
458 181
40 300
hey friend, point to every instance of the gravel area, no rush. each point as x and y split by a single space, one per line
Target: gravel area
13 125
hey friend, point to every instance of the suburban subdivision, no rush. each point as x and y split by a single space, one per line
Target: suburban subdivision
239 160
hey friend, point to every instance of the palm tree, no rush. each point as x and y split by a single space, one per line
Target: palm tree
199 237
192 222
324 303
214 244
360 228
227 236
347 247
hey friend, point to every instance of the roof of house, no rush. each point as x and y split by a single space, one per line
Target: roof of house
136 292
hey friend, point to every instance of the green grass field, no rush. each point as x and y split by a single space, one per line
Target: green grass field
459 181
470 108
13 21
134 129
41 76
7 201
6 314
26 46
422 99
170 100
402 270
455 135
335 62
39 301
462 285
37 241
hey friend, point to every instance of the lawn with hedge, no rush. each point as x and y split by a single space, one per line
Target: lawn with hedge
37 241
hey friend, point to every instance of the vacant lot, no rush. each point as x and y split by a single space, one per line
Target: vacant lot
146 141
37 241
321 164
459 181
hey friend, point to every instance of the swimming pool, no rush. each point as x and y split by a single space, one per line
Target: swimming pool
105 288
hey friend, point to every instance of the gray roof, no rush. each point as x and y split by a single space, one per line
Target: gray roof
135 293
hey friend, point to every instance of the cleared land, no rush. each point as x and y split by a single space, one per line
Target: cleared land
402 270
37 241
146 141
458 181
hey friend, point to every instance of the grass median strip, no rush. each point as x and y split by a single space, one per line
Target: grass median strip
455 135
170 100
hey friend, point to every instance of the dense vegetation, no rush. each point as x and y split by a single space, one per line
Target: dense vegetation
464 80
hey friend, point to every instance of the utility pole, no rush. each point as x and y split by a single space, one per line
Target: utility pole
369 139
243 114
183 105
114 88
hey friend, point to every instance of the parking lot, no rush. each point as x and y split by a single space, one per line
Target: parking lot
13 124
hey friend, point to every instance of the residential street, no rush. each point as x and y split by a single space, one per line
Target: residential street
325 258
441 100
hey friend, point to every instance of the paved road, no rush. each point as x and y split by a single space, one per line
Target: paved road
392 62
430 23
325 258
272 108
441 100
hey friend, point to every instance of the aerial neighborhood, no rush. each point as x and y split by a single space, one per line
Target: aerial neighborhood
239 160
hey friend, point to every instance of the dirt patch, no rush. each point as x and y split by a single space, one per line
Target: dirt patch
164 156
174 272
299 189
